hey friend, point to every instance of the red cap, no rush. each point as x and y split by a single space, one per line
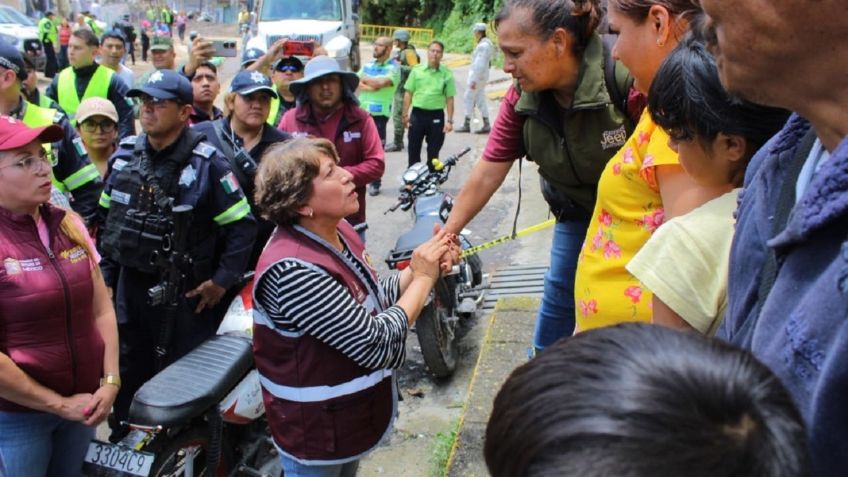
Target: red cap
14 133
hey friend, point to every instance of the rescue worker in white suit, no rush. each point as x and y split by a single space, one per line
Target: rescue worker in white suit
478 76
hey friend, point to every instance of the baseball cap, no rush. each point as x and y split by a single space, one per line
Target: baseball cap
165 84
289 61
161 43
250 56
247 82
401 34
96 106
11 59
14 133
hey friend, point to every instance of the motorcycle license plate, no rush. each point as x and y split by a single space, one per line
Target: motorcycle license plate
102 459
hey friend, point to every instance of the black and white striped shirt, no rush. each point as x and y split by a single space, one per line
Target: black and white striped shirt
298 298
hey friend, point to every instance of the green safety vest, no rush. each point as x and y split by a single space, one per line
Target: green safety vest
47 31
275 110
95 28
97 87
36 117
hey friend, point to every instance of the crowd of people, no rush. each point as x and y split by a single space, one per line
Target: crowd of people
692 153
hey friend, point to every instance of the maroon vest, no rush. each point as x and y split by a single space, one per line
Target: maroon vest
299 122
46 312
322 407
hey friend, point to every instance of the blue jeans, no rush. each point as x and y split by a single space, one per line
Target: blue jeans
292 468
556 313
35 444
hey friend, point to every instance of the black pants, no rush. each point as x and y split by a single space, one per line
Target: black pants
130 45
381 122
425 123
63 57
145 45
52 65
138 331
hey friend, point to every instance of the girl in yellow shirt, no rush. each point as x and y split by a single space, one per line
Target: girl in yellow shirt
642 184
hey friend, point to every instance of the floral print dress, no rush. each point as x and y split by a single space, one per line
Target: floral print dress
628 210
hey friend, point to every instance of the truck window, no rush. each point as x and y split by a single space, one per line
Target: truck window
301 10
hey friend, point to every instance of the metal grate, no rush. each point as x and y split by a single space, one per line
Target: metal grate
316 38
515 280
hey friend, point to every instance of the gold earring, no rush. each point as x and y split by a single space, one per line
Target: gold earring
660 43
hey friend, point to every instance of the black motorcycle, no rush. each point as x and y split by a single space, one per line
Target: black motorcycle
455 296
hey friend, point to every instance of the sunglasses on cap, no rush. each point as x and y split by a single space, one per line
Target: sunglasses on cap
289 68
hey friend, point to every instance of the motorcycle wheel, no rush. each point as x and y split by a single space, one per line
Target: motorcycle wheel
435 333
171 459
476 265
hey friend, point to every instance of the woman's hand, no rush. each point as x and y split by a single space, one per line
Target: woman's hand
100 404
74 408
427 257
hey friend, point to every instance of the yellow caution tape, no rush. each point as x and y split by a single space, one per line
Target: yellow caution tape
506 238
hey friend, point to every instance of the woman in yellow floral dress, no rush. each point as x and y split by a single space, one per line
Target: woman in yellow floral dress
643 183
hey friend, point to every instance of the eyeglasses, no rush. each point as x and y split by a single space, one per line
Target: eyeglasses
107 126
288 68
151 102
32 164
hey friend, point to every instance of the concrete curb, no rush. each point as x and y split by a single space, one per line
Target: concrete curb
504 348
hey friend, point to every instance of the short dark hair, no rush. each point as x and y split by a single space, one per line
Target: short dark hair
437 42
642 400
638 9
210 65
114 34
578 17
87 36
688 101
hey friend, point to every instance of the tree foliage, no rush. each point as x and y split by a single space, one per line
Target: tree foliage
451 20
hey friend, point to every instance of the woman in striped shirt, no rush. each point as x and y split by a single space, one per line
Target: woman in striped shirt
327 331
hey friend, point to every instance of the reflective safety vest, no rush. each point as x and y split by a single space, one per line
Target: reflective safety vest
95 28
273 116
47 31
36 117
98 86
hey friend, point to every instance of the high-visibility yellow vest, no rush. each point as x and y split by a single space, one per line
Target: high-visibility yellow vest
98 86
275 109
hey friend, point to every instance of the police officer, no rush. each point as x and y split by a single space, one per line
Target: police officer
168 165
48 33
406 57
478 76
85 78
73 172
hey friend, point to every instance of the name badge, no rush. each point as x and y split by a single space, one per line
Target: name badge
350 136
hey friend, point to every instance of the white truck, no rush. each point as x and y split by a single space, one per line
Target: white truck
332 24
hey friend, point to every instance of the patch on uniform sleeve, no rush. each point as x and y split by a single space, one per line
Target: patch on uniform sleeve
79 147
58 117
205 150
187 176
128 141
119 164
230 183
121 197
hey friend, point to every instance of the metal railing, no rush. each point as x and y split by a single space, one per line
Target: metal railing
419 36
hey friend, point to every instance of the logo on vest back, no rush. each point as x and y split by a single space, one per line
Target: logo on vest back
615 138
13 267
350 136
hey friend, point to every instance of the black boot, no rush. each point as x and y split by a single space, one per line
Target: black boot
466 126
485 127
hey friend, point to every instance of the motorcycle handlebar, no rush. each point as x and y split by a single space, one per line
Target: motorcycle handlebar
450 160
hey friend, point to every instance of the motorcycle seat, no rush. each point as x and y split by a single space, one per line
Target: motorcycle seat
418 234
194 383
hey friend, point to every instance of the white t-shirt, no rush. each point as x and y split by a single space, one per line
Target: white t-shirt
685 262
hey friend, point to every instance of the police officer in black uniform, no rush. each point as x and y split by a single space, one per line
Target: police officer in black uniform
73 171
166 166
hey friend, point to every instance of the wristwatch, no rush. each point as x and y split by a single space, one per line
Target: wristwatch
112 379
450 121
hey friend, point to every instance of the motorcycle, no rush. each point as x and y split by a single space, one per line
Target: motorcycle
203 414
455 296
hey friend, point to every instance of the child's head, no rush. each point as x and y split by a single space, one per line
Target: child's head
639 400
714 133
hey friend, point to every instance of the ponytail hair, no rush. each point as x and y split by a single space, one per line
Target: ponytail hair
71 227
581 18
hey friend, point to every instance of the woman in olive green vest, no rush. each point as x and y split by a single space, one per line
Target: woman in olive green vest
565 112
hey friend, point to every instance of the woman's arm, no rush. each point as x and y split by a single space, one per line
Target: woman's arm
106 324
20 388
663 315
680 193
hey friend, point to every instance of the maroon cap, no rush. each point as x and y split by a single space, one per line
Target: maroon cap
14 133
